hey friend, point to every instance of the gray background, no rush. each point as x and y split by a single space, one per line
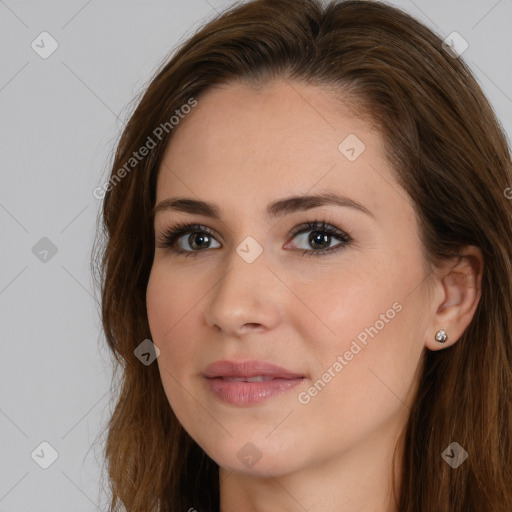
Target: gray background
60 119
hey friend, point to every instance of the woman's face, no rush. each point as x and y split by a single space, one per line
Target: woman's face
348 325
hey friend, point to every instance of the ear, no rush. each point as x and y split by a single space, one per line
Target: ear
458 291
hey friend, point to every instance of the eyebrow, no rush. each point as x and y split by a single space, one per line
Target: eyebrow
274 210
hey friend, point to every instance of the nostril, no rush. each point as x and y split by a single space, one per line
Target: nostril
253 326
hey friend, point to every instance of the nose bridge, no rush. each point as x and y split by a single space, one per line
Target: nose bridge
242 295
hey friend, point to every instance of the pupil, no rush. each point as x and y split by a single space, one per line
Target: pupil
201 239
318 238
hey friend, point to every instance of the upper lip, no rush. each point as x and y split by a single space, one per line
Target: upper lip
248 369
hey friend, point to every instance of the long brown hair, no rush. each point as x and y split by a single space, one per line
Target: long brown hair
449 153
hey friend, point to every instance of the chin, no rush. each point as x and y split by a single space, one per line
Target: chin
256 458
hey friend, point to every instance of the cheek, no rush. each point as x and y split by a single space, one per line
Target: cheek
371 323
166 306
173 305
170 309
168 299
340 306
158 305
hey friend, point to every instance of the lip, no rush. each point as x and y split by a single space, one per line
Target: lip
248 369
242 393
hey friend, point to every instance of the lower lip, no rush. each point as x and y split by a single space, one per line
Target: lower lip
245 394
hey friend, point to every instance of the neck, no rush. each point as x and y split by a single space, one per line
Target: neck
353 481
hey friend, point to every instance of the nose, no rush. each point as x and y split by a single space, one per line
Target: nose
246 298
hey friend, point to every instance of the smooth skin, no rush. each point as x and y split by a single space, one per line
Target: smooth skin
242 148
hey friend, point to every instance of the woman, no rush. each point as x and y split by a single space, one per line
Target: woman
375 376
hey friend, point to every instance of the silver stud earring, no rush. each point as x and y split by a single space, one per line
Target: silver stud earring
441 336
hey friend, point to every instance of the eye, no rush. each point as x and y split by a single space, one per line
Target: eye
320 235
179 237
191 239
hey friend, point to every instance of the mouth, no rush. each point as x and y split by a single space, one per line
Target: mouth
248 370
248 383
258 378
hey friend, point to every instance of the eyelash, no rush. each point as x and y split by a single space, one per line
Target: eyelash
172 233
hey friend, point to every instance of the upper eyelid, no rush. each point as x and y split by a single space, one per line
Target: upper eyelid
311 224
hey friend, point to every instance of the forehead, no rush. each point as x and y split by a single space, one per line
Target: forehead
243 143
